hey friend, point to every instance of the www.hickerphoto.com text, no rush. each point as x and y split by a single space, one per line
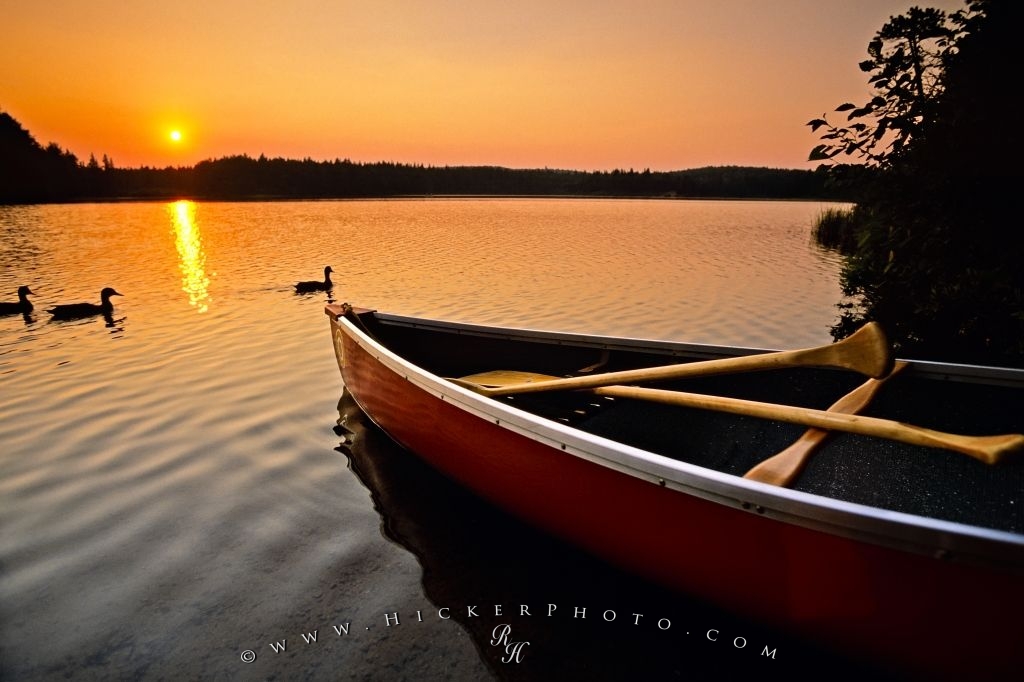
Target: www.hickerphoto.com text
394 619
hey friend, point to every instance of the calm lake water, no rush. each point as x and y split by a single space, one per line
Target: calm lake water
174 495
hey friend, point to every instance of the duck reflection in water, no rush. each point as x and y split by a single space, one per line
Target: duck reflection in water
311 286
22 305
73 311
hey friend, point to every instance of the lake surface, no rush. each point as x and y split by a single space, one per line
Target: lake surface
175 499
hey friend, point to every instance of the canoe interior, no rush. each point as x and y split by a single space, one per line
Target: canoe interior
880 473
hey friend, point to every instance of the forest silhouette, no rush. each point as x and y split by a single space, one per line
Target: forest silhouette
31 173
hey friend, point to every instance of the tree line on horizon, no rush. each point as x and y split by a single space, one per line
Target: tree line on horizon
31 173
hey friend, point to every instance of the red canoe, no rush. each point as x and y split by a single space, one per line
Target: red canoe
910 557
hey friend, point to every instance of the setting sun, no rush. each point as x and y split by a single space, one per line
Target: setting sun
175 136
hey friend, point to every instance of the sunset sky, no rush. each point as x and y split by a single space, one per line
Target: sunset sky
582 84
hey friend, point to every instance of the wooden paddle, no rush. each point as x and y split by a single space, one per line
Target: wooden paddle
866 351
988 449
782 469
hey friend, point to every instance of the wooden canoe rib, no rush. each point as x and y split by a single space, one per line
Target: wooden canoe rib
907 556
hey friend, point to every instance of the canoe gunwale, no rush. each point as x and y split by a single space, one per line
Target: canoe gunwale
946 540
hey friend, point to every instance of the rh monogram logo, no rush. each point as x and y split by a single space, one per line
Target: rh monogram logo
513 650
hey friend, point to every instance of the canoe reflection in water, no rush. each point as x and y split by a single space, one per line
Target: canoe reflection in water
606 624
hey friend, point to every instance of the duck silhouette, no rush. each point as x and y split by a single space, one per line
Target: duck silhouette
326 285
70 311
23 305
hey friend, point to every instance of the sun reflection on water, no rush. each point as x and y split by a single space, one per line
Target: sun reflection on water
191 257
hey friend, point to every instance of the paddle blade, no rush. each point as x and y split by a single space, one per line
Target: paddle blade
866 351
491 383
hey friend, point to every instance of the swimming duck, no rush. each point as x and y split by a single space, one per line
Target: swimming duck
22 306
326 285
71 311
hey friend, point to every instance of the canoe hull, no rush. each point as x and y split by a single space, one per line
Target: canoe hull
905 611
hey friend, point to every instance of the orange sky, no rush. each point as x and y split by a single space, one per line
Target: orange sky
583 84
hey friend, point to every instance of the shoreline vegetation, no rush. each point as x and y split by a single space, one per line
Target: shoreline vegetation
836 229
931 250
31 173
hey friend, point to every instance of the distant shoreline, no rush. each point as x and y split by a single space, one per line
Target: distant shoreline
32 174
406 197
